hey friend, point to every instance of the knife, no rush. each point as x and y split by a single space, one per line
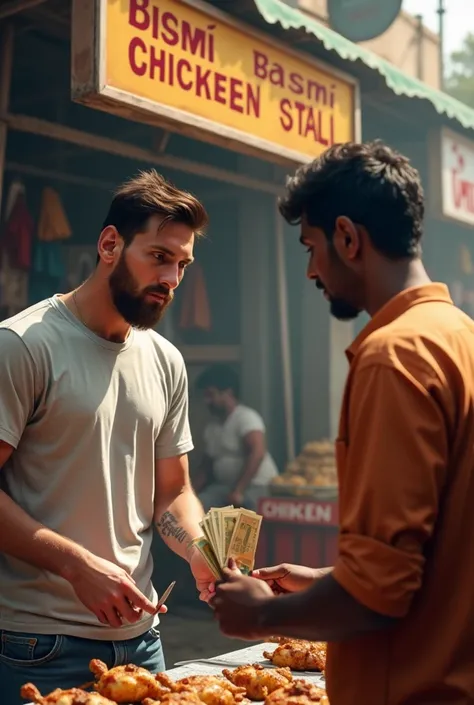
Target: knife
165 595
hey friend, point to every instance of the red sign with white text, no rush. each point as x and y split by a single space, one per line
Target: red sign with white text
295 511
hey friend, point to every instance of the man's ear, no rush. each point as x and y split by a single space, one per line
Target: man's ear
110 245
346 239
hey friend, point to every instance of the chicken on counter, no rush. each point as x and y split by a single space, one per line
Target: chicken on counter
257 680
126 684
289 640
299 655
187 697
299 692
73 696
211 690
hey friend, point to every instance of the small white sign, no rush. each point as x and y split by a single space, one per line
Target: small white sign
457 173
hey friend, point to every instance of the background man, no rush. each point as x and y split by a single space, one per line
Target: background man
236 467
94 437
398 605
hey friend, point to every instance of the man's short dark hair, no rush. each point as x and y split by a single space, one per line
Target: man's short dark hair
372 184
221 377
148 194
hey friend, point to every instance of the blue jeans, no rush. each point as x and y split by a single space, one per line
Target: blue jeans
52 662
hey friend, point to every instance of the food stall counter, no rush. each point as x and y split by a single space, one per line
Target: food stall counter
250 655
298 530
301 510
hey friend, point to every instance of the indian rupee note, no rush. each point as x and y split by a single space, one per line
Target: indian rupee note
229 520
243 544
205 549
204 524
215 516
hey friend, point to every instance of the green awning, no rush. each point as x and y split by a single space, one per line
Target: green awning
274 11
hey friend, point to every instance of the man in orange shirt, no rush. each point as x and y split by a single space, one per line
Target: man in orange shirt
398 606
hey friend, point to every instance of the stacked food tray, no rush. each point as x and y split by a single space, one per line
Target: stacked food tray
313 473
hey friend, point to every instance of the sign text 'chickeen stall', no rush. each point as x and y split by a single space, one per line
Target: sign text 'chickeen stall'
194 65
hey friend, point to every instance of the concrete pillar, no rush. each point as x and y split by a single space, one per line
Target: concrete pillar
255 228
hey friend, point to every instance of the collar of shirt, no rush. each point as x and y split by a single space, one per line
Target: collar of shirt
396 307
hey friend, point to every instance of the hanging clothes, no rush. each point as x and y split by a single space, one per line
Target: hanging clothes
53 223
16 188
17 234
16 238
48 258
195 308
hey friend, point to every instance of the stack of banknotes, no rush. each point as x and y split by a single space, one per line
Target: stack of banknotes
229 533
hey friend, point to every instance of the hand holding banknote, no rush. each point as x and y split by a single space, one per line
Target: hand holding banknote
238 603
229 533
203 575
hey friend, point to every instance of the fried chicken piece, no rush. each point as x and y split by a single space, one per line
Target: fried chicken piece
126 684
299 692
287 640
299 656
257 680
206 681
217 695
211 690
187 697
73 696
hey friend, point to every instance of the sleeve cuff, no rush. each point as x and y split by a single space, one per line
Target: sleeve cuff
380 577
9 437
172 451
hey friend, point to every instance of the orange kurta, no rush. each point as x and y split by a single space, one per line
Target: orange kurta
406 471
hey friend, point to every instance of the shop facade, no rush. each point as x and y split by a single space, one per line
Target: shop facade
224 110
212 95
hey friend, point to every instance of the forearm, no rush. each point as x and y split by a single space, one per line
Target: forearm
251 467
27 540
178 523
323 612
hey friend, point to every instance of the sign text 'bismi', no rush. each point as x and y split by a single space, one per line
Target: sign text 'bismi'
306 109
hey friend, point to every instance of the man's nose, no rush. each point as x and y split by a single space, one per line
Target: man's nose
171 277
310 272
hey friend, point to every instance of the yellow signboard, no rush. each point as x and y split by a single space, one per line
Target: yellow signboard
191 64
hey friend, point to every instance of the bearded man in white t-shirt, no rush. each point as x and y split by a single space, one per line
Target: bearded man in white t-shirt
236 467
94 437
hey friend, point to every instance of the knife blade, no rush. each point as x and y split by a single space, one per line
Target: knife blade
165 595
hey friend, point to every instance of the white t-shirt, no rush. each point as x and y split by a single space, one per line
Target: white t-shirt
87 418
224 444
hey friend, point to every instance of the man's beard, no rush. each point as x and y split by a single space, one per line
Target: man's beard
131 302
339 308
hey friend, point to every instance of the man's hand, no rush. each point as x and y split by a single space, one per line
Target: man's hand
287 578
238 602
204 577
108 591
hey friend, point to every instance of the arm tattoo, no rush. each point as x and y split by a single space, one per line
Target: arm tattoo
168 526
